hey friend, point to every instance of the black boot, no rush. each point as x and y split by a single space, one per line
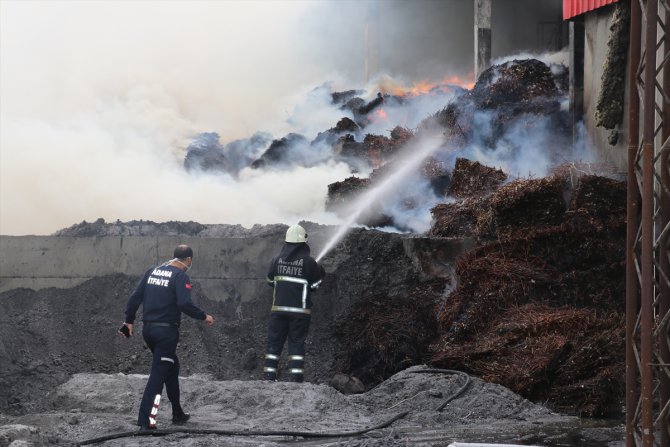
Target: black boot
297 378
181 419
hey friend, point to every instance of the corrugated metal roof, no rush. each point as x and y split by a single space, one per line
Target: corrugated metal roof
573 8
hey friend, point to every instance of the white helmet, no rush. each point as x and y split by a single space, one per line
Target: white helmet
296 234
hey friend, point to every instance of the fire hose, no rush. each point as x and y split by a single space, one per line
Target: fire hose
458 392
197 431
302 434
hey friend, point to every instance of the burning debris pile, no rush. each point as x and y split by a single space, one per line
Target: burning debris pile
383 334
505 97
508 102
340 143
505 92
473 179
540 305
539 301
383 153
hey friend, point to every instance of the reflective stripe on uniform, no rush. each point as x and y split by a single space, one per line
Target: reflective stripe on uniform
291 309
296 371
271 357
316 285
298 281
296 357
267 369
154 411
291 279
167 359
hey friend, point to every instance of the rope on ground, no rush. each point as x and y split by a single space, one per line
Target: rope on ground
448 371
196 431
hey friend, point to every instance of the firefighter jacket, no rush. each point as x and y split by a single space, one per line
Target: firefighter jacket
294 274
164 292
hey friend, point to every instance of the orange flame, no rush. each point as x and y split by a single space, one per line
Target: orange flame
466 83
380 115
424 86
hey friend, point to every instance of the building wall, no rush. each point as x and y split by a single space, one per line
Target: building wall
596 29
227 268
40 262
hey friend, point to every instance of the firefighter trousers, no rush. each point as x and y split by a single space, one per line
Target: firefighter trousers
162 341
280 329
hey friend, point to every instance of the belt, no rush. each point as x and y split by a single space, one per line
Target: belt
160 323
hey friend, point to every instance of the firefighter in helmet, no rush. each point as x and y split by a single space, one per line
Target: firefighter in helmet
294 275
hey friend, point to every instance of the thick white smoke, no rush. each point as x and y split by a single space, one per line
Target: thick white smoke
99 101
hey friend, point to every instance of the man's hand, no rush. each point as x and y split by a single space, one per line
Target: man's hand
209 320
129 329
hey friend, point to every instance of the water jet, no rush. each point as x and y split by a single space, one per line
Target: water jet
418 150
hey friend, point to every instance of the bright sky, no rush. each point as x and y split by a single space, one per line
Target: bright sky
99 99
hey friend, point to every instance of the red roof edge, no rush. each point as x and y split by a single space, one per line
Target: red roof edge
572 8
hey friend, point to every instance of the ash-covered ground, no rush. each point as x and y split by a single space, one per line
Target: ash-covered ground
419 406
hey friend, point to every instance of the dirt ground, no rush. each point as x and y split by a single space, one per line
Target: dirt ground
416 407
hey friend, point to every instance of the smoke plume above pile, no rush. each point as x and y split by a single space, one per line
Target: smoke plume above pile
100 100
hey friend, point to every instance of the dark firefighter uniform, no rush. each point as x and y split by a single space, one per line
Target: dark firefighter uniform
164 292
294 274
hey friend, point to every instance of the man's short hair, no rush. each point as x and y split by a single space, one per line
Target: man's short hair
183 252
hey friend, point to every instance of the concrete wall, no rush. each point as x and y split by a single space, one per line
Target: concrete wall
226 268
38 262
596 29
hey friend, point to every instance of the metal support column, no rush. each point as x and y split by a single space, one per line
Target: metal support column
633 222
372 40
663 251
482 36
648 237
576 39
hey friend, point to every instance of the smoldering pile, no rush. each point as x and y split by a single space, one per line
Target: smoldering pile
539 301
505 95
171 228
539 305
346 141
527 88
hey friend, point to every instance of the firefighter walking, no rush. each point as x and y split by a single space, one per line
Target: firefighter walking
294 275
164 292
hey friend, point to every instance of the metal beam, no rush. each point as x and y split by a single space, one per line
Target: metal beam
482 36
648 233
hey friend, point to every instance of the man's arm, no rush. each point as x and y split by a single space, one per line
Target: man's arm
271 273
316 274
184 302
135 300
